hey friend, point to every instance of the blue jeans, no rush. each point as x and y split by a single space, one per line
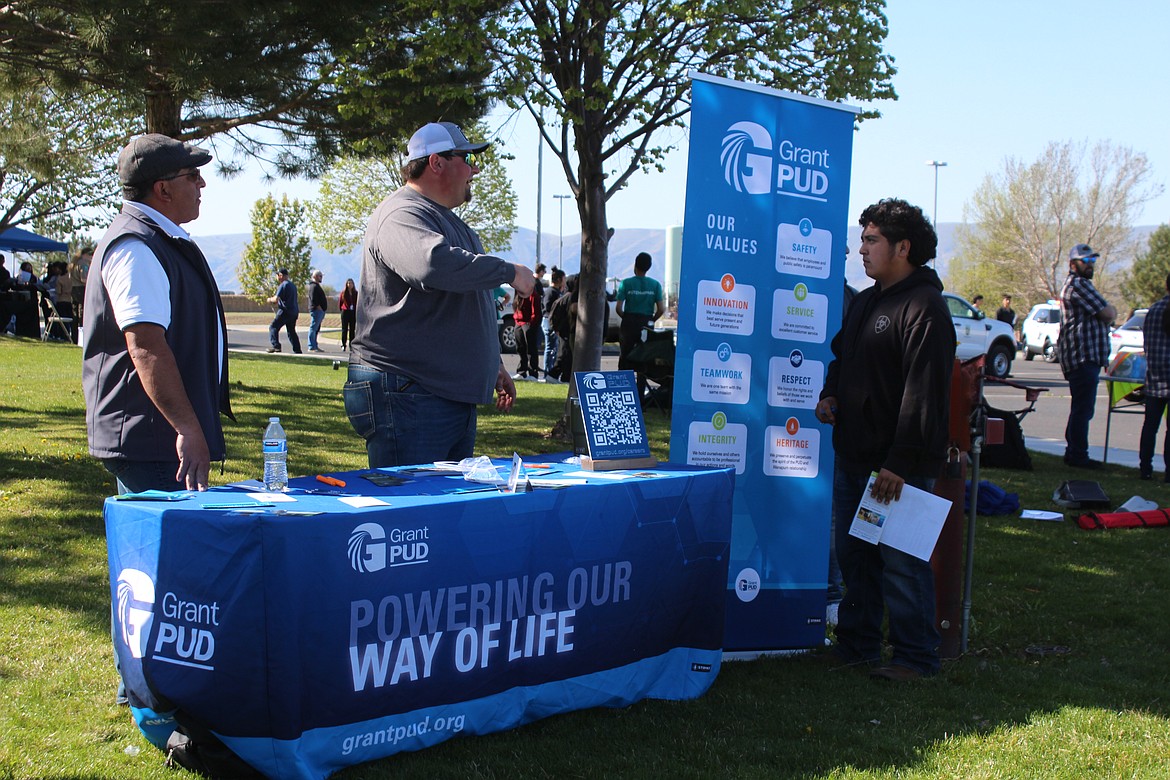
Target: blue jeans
1082 387
135 476
877 576
403 424
1155 408
316 317
551 340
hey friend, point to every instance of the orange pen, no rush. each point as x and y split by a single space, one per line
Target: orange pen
330 480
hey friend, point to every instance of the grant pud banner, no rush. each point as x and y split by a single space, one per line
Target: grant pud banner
763 262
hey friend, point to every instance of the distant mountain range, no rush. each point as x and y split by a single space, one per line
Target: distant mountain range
224 252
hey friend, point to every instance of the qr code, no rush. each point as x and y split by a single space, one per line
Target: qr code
613 418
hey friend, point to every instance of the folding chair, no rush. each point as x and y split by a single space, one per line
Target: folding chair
653 358
55 318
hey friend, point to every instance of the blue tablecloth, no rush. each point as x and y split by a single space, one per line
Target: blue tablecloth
309 643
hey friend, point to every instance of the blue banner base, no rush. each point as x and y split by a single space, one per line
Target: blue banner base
776 619
682 673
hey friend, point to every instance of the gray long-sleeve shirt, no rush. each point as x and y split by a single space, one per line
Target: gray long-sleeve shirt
426 291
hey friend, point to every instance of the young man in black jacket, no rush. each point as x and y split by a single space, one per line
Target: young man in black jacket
887 396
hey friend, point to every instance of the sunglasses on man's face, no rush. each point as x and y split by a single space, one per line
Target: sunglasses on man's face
467 157
192 175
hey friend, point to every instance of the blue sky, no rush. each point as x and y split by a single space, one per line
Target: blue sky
977 83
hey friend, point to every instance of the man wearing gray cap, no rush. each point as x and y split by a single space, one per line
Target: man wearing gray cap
426 351
155 371
1084 350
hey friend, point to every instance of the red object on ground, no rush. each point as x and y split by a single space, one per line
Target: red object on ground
1093 521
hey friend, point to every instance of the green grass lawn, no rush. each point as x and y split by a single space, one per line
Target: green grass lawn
1099 710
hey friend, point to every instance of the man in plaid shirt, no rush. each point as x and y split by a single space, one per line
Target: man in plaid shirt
1156 344
1084 350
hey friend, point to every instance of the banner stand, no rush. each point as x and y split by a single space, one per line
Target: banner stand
761 284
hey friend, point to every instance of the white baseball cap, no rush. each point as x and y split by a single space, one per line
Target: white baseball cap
439 137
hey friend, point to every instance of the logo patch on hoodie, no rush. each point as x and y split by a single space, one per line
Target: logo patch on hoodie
882 323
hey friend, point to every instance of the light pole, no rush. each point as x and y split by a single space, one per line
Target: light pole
561 229
936 165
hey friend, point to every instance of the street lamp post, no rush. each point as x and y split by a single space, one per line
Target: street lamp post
561 229
936 165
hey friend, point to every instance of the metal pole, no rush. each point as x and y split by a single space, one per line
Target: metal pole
978 429
561 230
539 183
936 165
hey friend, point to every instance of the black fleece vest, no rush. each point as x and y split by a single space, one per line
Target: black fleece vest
122 421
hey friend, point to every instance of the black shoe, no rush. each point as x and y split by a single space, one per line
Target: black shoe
1087 463
895 673
273 349
297 352
1146 473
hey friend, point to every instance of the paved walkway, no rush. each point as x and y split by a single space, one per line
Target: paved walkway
254 338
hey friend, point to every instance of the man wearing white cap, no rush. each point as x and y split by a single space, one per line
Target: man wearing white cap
425 350
155 370
1084 350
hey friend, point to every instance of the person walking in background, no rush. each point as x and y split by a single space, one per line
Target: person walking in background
977 302
318 305
886 394
347 304
426 349
639 304
1156 344
287 312
551 340
1084 350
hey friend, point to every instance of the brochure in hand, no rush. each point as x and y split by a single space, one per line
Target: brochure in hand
910 524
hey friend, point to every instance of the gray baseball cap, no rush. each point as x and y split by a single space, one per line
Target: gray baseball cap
1083 252
153 156
439 137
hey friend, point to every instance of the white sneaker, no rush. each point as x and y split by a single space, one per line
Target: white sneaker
516 377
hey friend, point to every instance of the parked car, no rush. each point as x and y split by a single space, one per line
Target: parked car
504 320
1129 335
1040 331
976 334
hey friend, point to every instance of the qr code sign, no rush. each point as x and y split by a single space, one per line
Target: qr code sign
613 418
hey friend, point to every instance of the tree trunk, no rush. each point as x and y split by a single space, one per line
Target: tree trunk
589 135
164 112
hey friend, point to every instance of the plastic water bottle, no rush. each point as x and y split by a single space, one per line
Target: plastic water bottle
275 457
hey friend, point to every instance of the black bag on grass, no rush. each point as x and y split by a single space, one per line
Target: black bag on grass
1012 454
1081 494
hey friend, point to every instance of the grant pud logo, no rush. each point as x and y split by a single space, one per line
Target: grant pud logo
747 584
135 609
748 157
186 629
743 167
372 549
594 381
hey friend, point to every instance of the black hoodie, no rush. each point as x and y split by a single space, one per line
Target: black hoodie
891 376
